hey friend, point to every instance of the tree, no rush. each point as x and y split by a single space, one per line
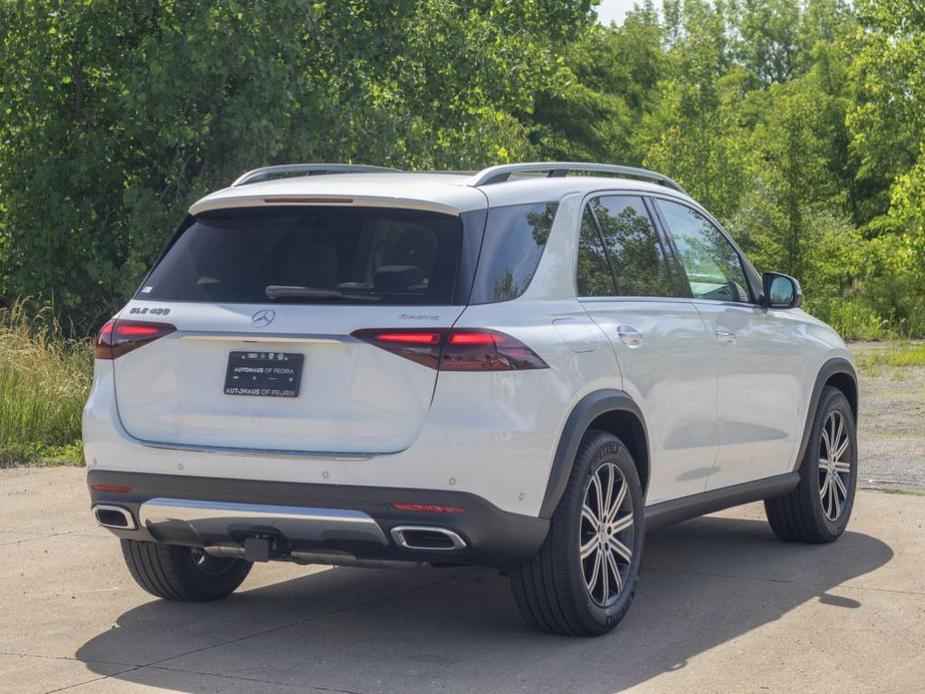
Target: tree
888 125
116 116
609 80
692 131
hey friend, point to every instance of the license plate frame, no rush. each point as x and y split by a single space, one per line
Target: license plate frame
264 374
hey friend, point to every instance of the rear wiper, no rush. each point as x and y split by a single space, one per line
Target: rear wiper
281 291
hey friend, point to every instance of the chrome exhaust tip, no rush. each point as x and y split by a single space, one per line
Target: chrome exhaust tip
114 517
426 537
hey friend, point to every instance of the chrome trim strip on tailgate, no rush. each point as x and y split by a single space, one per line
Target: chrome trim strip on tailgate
257 452
218 518
250 452
242 336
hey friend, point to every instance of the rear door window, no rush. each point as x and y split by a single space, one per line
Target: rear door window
631 244
355 255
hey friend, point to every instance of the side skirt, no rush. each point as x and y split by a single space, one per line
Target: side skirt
677 510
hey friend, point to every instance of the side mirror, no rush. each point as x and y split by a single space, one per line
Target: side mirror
781 291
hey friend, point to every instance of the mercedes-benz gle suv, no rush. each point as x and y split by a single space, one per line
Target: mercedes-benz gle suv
521 368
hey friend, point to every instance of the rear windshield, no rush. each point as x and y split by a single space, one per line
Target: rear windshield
357 255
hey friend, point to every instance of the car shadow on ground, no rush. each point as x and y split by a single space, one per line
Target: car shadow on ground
704 582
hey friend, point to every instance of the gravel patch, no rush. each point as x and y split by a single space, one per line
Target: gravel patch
891 433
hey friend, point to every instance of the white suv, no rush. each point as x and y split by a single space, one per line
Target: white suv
518 368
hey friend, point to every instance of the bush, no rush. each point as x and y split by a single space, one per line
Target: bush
852 318
44 382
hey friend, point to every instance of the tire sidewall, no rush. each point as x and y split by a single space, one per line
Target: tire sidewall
831 400
603 449
209 586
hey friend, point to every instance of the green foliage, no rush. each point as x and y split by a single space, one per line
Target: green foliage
44 382
802 127
609 77
800 124
852 318
116 116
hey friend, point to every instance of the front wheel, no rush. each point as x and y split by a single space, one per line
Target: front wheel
180 573
583 580
818 508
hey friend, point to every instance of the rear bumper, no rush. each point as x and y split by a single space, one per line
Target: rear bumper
315 520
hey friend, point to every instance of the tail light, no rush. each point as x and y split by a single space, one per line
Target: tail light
120 337
462 349
422 346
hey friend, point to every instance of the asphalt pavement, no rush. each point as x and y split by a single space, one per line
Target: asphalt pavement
722 606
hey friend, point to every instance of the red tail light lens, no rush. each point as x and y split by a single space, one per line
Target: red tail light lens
463 349
421 346
487 350
120 337
412 338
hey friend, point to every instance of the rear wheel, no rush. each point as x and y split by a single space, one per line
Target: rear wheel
819 508
180 573
583 580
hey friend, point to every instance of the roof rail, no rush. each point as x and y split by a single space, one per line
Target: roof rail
267 172
499 174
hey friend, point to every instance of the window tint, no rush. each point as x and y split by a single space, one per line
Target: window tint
359 255
594 276
515 237
632 243
713 268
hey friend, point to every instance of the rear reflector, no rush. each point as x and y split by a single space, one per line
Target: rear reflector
111 488
120 337
460 349
428 508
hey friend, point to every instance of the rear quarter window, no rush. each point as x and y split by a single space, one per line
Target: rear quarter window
512 246
356 255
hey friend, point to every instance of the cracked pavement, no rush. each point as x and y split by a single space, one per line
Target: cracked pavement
722 606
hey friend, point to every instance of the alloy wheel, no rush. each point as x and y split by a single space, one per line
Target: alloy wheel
606 535
834 465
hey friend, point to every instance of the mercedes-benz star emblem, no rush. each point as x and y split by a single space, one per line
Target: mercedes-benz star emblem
263 318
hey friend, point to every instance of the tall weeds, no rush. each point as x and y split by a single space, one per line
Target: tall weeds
44 382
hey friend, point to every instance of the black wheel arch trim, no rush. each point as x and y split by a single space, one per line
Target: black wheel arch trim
589 408
832 367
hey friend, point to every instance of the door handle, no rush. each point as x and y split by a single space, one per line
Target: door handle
725 337
629 336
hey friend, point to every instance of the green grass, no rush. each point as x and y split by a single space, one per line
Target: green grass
44 383
901 356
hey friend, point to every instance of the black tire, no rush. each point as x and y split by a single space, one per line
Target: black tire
552 590
183 574
801 515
